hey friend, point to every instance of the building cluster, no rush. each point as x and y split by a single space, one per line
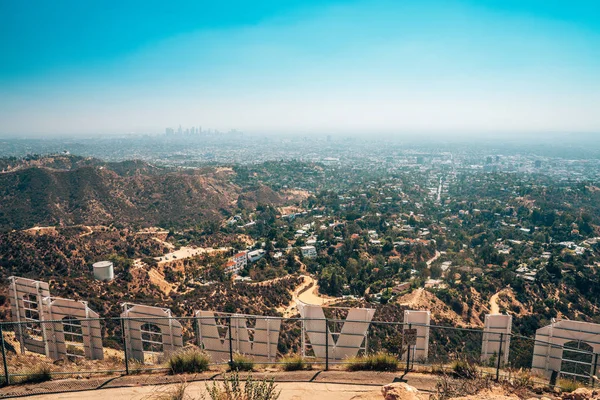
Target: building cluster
197 131
240 260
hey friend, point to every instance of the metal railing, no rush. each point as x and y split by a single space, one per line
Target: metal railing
124 350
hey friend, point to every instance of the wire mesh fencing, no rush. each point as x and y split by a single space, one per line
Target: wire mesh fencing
86 352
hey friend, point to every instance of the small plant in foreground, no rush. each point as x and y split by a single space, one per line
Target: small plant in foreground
520 379
170 393
241 362
135 367
437 369
233 389
449 387
464 369
373 362
40 373
568 385
294 362
188 361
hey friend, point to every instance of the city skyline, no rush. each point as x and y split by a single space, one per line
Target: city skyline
444 68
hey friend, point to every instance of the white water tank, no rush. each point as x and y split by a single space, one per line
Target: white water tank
104 271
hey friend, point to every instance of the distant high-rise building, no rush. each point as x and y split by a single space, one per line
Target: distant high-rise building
538 163
420 160
179 131
489 160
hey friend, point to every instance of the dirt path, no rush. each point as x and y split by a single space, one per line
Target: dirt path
312 296
432 259
168 245
413 298
187 252
309 296
494 307
89 231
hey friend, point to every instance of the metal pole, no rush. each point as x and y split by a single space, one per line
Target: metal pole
499 357
326 346
594 372
125 346
303 328
230 342
408 350
6 376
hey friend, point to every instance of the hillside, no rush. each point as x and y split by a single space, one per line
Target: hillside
67 190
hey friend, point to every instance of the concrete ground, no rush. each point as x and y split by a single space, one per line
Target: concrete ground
320 385
289 391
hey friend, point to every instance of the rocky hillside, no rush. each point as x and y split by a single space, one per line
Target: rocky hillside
67 190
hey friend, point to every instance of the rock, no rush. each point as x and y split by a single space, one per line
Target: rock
400 391
495 393
376 395
582 394
556 390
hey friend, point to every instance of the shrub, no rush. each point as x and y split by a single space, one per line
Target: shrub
373 362
136 367
464 369
450 388
188 361
170 393
295 362
437 369
232 389
521 379
40 373
568 385
242 362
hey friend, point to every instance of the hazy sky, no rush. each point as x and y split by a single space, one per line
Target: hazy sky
291 66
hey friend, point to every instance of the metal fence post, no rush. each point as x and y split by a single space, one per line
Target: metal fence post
594 372
326 346
408 349
499 357
124 346
6 376
230 342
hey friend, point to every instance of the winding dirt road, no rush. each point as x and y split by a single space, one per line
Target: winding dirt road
307 294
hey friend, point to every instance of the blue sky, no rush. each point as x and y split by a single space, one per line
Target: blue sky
393 67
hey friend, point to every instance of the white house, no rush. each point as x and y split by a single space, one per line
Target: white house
237 262
256 255
308 251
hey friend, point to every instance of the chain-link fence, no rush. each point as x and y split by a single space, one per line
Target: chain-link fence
78 354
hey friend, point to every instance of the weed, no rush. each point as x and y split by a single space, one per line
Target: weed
170 393
568 385
242 362
188 361
40 373
464 369
294 362
373 362
233 389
